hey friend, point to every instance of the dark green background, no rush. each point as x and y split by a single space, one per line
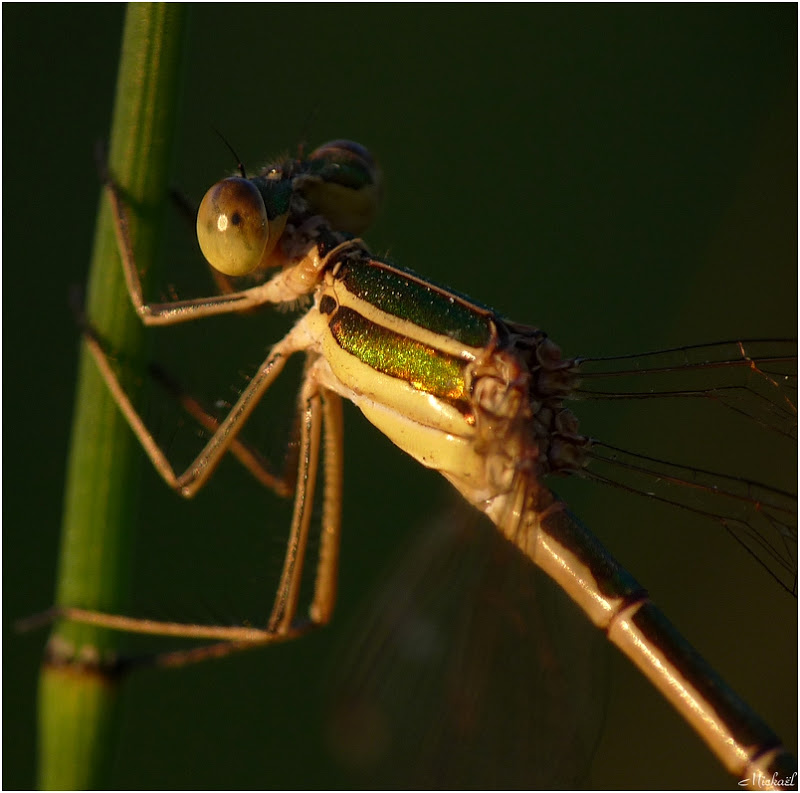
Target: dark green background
623 177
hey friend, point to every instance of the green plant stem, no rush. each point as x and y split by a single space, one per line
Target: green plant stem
78 695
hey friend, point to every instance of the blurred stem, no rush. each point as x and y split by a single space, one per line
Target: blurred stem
78 695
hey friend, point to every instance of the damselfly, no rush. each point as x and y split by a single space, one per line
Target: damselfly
470 394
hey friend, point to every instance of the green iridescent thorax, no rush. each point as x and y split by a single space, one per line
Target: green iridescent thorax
403 295
398 356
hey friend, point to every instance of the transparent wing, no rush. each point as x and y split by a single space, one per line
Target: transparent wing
761 518
472 671
757 382
756 378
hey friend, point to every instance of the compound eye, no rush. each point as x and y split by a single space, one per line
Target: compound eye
343 185
346 163
232 226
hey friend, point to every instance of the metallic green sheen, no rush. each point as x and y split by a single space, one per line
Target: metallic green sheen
398 356
434 308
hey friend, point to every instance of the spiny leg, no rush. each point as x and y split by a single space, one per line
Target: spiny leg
197 473
282 485
285 626
194 477
285 605
327 566
318 407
